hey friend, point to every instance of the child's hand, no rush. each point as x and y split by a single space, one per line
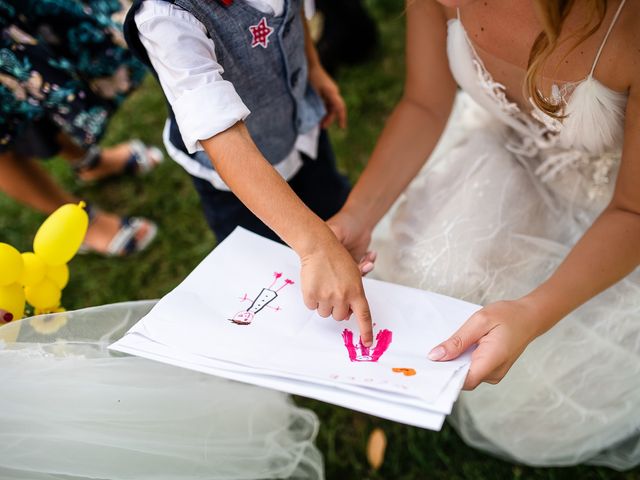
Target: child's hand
330 94
502 331
331 283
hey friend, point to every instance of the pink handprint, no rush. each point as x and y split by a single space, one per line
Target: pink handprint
361 353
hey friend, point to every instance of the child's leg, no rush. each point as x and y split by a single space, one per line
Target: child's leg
224 212
318 183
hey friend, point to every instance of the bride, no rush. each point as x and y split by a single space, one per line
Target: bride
530 206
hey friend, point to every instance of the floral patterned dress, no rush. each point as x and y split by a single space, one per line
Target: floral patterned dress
64 67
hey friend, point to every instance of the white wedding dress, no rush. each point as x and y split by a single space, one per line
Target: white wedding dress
501 202
71 409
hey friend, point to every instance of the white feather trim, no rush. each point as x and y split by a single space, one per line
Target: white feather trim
595 116
595 113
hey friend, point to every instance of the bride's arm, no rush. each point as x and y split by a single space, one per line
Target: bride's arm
607 252
412 130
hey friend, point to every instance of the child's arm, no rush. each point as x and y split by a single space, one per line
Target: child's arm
331 281
210 115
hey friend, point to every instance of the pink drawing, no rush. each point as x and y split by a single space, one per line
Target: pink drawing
264 298
360 353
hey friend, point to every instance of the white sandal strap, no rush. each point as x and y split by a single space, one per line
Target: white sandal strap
147 158
127 233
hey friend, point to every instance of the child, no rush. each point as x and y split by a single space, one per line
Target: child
239 77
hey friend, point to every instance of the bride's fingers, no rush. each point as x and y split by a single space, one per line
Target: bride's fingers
367 263
373 255
468 334
365 268
488 364
369 256
484 369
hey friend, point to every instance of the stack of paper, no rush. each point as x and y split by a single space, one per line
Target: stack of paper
240 315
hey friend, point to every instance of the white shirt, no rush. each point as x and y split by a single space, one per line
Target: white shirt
203 102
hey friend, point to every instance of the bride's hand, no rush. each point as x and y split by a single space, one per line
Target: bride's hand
355 237
502 331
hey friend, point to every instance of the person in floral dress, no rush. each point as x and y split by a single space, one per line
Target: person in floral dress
64 70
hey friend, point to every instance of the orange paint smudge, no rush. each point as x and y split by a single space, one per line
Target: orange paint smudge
407 372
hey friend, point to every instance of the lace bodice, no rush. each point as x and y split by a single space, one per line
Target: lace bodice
589 137
594 112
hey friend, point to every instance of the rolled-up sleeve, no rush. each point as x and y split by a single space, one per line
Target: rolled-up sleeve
184 58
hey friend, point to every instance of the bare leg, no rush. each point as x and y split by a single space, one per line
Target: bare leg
71 152
27 182
112 159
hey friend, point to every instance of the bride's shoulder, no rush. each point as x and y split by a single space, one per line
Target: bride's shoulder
631 36
433 7
623 61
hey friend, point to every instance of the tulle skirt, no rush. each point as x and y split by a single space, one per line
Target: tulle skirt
478 223
72 409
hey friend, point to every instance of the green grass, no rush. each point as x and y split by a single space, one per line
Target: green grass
168 197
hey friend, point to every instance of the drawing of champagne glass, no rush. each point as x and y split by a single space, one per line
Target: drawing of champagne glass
262 300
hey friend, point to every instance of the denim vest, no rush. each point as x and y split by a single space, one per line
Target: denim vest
269 74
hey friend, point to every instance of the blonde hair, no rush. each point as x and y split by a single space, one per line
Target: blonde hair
552 14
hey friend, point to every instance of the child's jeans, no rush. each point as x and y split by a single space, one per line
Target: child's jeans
318 183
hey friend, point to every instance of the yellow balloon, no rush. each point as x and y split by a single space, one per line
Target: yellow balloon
12 299
59 274
59 237
44 295
10 264
34 269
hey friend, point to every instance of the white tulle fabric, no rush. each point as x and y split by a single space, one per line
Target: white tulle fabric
501 202
71 409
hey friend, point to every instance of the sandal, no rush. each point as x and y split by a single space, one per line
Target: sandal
141 161
135 235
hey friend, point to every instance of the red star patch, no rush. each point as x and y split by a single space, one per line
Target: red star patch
260 33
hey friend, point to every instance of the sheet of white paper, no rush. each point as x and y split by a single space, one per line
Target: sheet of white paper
237 280
416 417
240 314
140 346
